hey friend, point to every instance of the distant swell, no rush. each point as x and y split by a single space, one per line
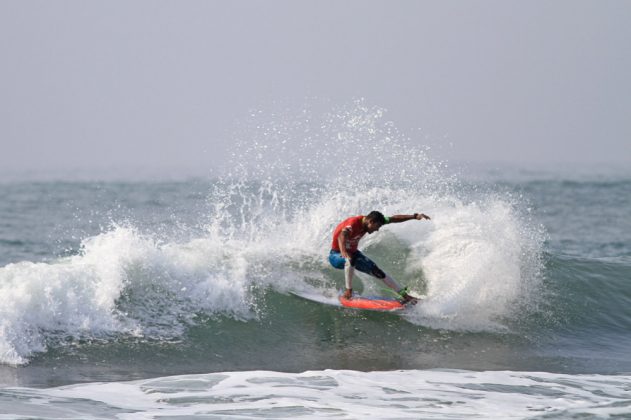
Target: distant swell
591 294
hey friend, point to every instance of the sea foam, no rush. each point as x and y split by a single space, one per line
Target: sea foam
439 394
121 282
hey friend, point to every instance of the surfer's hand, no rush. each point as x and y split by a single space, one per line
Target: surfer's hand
421 216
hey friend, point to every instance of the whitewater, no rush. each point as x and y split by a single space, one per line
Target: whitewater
145 299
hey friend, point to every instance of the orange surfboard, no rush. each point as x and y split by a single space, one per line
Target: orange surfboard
369 303
372 303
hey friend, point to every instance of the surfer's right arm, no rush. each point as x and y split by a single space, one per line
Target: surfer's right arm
342 240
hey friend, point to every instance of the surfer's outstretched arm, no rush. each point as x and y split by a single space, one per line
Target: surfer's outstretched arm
342 243
398 218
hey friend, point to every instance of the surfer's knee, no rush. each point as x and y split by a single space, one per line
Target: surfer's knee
377 272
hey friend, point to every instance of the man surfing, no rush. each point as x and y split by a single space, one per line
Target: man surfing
344 253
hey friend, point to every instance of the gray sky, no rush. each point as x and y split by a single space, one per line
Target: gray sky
87 84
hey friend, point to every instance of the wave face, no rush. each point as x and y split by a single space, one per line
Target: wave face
192 276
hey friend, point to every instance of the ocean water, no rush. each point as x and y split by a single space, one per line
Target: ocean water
128 298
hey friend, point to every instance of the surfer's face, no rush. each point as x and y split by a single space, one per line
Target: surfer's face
372 226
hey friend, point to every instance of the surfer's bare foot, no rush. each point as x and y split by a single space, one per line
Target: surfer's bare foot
405 299
348 294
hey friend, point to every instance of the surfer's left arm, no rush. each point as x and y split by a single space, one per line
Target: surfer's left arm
398 218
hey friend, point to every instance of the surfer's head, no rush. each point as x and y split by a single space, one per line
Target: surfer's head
373 221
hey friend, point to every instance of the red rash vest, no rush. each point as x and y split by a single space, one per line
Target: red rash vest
355 228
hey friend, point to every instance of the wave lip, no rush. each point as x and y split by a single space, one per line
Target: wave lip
65 298
479 265
122 283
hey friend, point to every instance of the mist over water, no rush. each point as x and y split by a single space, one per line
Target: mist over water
480 254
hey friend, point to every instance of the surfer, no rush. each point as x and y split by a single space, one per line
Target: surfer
344 253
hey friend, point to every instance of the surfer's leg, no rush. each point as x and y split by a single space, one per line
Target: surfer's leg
389 281
366 265
349 270
339 262
392 283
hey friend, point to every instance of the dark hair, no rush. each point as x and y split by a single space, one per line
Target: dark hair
376 216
